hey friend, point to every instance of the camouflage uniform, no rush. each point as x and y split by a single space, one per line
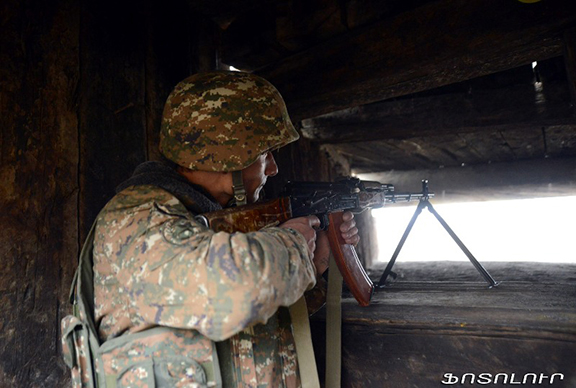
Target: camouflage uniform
166 288
154 265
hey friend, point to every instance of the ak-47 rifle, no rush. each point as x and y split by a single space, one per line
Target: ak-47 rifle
327 200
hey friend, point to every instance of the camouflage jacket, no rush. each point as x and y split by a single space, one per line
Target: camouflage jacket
155 266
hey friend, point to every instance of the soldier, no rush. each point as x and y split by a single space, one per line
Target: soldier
170 295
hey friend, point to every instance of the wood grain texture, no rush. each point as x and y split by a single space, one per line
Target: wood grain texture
544 177
112 101
250 218
462 149
440 318
174 51
348 263
419 50
39 72
570 61
474 111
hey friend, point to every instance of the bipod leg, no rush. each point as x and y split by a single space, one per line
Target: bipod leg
388 270
473 260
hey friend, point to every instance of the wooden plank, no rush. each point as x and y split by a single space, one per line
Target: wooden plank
570 61
305 24
462 149
402 154
526 144
132 58
487 147
175 50
560 140
407 154
261 34
404 360
438 318
39 68
513 107
518 179
440 43
112 101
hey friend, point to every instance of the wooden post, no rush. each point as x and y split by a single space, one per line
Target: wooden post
39 188
570 60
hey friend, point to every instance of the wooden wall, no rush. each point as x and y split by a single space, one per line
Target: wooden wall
39 185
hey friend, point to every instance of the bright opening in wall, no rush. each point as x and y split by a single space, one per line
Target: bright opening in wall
538 230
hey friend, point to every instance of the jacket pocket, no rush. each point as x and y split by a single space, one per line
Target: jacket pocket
179 372
137 375
163 372
76 351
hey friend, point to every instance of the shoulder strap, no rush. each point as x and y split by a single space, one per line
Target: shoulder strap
82 297
334 326
303 341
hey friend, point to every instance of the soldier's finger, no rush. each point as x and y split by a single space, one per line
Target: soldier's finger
314 221
312 238
353 240
312 246
346 226
347 216
309 233
350 233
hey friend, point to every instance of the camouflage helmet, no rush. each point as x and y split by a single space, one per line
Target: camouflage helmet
223 120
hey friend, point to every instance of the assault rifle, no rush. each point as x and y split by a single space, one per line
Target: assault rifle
327 200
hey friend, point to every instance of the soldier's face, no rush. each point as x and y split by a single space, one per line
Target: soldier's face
257 173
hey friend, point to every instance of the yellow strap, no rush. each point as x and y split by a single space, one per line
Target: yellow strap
334 326
111 381
303 340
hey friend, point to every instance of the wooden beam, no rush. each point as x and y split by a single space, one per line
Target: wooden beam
520 106
496 181
440 43
570 61
461 149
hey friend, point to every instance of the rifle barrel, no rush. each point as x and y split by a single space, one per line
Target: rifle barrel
407 197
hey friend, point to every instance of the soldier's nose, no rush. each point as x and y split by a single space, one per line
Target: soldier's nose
271 166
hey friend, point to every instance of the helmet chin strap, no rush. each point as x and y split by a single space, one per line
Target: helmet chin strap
239 189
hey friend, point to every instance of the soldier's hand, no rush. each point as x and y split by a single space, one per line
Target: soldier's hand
349 233
322 253
305 225
348 229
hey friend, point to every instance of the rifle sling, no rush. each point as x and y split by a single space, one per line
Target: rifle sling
303 340
333 326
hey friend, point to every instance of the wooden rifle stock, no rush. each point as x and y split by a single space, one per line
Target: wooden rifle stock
250 218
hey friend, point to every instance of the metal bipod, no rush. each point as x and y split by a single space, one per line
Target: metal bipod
425 203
